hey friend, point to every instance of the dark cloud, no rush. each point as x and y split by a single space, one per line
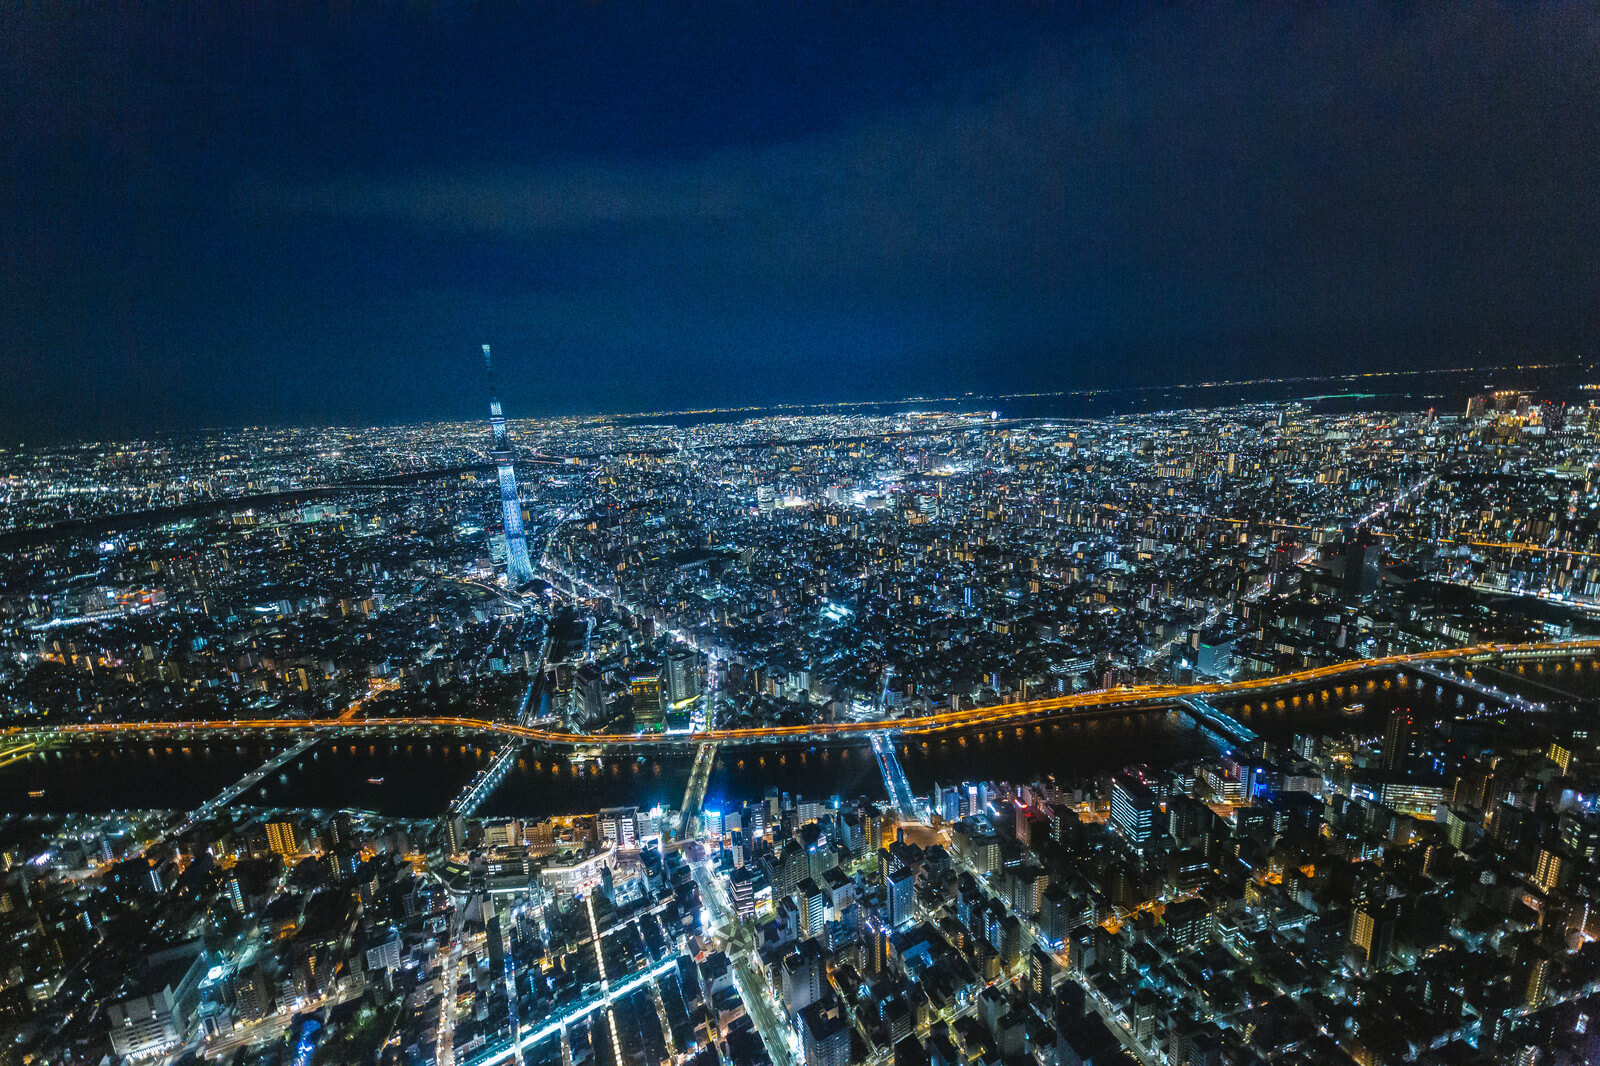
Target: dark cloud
517 202
754 208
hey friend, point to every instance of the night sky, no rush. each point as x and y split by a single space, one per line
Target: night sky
300 214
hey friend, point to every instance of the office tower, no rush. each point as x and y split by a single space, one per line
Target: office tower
1028 885
519 570
1579 836
1133 810
851 833
496 941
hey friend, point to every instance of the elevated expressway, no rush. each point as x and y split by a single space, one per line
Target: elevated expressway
1127 698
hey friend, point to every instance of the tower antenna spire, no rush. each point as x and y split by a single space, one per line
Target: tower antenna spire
497 420
519 570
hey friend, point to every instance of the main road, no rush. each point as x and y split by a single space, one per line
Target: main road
1128 697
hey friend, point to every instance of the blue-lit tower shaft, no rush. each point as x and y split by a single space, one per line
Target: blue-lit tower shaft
518 568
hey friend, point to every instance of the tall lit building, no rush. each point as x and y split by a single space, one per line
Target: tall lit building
899 891
519 570
825 1035
1133 810
648 712
1372 928
1041 972
1538 983
280 838
1363 567
682 675
588 704
1402 741
1547 871
813 903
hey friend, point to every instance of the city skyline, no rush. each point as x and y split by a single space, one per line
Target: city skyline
814 737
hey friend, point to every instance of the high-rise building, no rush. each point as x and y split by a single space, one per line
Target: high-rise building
519 570
1041 971
281 839
813 906
619 827
1371 934
1189 923
682 675
648 713
947 801
1547 871
743 885
252 993
898 883
1133 810
825 1034
456 831
1363 567
588 697
1028 884
1579 836
1402 742
801 977
1538 983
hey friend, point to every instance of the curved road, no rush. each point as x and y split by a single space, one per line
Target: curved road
976 717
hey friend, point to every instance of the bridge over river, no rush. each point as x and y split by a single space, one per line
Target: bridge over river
1085 703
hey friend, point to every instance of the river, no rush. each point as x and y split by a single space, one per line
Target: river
418 779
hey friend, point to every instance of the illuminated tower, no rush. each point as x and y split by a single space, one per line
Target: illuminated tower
518 569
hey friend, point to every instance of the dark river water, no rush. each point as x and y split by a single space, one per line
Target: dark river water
419 779
100 777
